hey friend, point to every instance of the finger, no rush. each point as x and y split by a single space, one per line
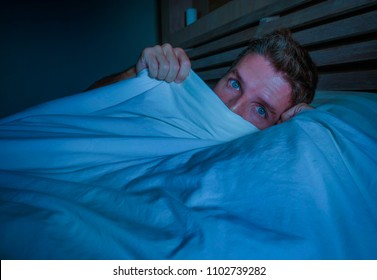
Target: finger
148 60
184 65
141 63
157 63
287 115
160 65
290 113
173 64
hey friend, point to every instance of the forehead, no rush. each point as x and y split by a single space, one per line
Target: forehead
256 66
261 80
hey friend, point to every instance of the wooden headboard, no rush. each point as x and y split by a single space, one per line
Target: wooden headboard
341 36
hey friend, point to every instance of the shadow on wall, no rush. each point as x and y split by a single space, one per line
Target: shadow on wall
51 49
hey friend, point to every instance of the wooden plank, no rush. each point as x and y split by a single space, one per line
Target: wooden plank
328 27
350 53
220 16
314 14
301 18
213 74
356 80
184 40
227 42
356 52
341 29
217 59
360 80
172 16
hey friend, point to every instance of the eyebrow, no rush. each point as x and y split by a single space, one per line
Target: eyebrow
242 81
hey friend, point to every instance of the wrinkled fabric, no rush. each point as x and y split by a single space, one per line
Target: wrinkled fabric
143 169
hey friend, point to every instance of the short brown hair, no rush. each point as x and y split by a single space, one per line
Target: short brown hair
290 58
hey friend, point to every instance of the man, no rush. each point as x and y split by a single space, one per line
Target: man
272 80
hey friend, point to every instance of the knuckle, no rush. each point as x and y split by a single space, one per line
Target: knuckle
179 50
153 65
174 67
167 46
164 67
186 63
156 47
147 51
155 50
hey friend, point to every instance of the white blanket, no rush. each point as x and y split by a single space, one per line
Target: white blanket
143 169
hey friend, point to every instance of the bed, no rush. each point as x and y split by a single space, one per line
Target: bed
143 169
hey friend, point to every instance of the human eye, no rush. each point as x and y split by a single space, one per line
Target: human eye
234 84
261 111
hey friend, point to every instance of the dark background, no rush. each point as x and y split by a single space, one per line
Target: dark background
50 49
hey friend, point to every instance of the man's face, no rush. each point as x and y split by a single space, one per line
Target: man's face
255 91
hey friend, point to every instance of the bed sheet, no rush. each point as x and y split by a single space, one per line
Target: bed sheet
165 171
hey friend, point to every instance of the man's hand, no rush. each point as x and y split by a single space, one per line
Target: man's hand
290 113
165 63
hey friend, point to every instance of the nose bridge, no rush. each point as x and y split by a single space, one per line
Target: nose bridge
237 102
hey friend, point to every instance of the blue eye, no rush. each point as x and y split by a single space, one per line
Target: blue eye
234 84
262 112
